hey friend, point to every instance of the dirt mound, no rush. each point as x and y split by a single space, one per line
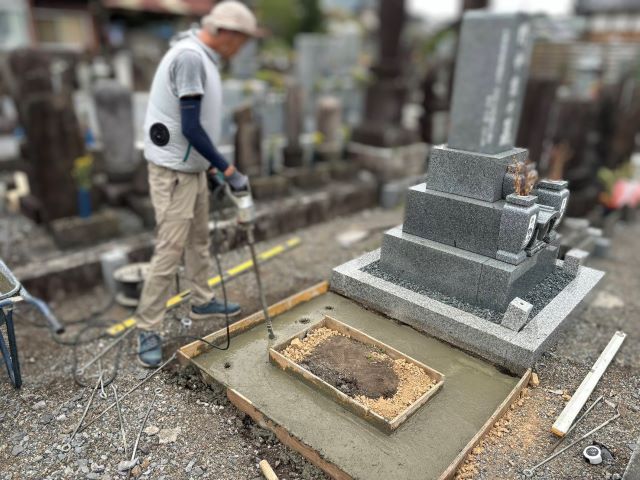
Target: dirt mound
353 367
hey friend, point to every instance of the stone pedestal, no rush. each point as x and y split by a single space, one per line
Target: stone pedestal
390 163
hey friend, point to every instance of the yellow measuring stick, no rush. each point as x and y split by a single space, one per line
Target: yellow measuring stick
228 275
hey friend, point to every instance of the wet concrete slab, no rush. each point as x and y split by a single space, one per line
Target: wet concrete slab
422 448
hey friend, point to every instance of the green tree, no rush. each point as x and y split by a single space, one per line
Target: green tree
312 17
286 18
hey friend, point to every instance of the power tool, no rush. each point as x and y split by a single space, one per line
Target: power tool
246 218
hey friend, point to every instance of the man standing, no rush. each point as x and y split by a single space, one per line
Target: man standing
182 126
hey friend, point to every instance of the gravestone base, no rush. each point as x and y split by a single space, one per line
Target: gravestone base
470 277
70 232
390 163
515 351
308 178
394 193
269 187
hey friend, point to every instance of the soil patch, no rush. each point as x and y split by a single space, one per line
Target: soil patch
364 372
353 367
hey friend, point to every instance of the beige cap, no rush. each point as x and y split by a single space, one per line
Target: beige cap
232 15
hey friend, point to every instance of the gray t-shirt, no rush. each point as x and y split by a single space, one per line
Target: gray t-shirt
187 75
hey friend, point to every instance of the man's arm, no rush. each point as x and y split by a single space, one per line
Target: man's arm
195 134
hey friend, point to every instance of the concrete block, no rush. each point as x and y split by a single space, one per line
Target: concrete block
574 259
517 314
463 222
515 351
470 174
602 247
632 472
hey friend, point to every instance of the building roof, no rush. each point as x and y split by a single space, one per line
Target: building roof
177 7
602 6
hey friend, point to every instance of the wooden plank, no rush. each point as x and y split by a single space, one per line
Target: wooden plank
574 406
245 405
387 426
193 349
451 470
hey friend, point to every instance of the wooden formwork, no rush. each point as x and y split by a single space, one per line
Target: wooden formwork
192 350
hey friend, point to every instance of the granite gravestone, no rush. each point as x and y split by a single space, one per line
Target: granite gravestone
473 225
490 77
478 235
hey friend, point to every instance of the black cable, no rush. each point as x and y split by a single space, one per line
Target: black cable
92 321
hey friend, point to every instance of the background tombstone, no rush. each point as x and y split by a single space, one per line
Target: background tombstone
386 96
329 123
293 153
54 139
114 112
248 142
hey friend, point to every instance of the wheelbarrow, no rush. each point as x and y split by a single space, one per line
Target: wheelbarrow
12 293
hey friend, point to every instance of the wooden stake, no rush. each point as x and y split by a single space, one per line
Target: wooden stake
267 471
572 409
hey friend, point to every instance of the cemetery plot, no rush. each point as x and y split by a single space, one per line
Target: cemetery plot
369 378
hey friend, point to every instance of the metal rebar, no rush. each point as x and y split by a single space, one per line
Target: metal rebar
586 412
256 268
132 389
529 471
124 435
67 446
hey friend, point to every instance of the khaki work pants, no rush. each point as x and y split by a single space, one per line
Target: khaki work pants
181 204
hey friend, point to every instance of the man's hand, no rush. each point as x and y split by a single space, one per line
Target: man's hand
236 180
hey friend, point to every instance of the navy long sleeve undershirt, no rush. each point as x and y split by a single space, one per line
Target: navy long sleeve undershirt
195 134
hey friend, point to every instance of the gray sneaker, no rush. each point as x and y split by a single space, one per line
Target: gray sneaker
214 309
149 349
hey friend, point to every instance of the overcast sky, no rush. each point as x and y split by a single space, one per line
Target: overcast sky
450 8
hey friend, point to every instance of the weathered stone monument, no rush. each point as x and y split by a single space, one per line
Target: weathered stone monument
248 140
475 262
329 125
114 111
293 152
381 144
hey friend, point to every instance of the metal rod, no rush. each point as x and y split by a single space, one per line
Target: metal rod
256 268
529 472
586 412
104 352
67 446
124 435
132 389
144 422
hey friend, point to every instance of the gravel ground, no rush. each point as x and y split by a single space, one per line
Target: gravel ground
525 439
193 432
